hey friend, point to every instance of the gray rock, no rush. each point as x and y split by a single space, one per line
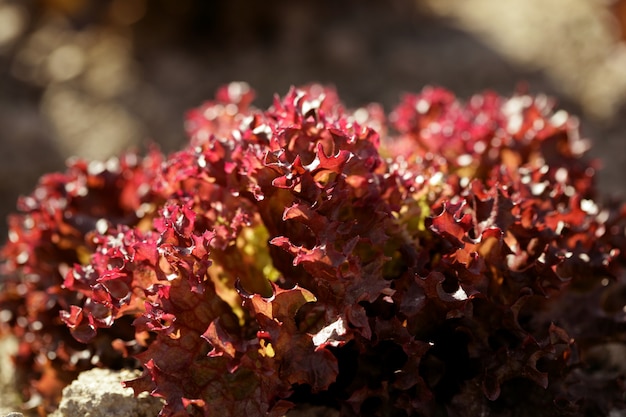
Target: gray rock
99 393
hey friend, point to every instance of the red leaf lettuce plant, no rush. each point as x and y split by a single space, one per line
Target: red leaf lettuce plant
446 260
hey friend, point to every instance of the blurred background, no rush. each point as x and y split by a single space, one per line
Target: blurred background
94 77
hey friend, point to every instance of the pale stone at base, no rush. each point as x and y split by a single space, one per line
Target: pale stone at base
99 393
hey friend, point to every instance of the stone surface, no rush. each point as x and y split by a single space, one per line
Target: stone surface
99 393
9 399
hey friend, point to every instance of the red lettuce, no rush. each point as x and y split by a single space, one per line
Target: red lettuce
449 260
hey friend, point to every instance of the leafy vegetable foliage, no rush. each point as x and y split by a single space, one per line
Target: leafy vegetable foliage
447 260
